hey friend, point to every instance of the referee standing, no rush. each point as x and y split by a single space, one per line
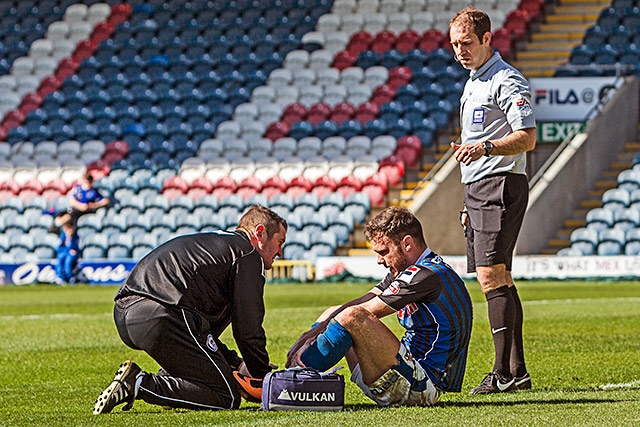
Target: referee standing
498 128
178 300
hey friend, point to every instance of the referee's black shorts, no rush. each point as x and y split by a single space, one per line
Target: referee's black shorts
496 205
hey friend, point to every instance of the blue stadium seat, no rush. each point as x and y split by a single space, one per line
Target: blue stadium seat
626 219
615 198
611 242
582 55
585 240
599 219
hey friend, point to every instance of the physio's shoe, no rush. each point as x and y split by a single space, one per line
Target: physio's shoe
121 390
494 382
523 382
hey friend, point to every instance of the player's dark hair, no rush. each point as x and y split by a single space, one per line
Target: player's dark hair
258 214
395 222
474 18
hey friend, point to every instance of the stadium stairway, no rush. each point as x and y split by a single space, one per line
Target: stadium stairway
551 42
594 200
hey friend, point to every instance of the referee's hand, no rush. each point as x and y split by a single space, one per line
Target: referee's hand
467 153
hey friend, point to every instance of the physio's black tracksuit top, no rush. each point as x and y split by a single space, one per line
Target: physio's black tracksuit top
218 275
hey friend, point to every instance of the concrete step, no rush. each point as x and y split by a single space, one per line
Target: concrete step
558 36
575 10
542 55
549 45
572 18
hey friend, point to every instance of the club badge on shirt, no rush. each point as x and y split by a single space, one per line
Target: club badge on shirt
211 343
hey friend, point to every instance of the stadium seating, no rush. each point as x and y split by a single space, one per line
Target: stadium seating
126 74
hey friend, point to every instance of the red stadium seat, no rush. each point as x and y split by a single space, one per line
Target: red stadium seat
344 59
430 40
120 13
199 187
10 186
84 50
323 185
249 186
298 185
383 41
174 186
517 23
277 130
318 113
393 167
31 188
49 85
359 42
349 184
294 113
342 112
503 42
30 102
399 76
274 185
101 32
99 169
223 187
534 8
369 110
376 188
12 119
67 67
407 40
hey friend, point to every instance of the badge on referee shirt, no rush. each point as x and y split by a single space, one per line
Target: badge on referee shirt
478 116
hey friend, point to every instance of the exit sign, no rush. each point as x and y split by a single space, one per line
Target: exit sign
556 131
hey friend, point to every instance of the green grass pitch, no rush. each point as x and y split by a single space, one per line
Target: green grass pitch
59 349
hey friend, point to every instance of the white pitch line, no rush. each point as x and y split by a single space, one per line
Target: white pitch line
632 385
57 316
580 301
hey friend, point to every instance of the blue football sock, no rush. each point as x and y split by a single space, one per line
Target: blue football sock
328 348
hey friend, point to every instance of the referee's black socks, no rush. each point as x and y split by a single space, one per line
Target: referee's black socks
502 310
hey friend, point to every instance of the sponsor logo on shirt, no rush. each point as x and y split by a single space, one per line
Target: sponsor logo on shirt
407 275
407 310
523 105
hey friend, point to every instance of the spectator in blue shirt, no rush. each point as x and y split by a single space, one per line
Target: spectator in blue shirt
67 254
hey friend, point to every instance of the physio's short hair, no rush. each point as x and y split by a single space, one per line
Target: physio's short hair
474 18
394 222
258 214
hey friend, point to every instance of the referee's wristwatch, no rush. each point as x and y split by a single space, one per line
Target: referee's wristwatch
488 147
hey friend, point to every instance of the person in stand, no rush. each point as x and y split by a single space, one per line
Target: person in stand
176 303
498 128
83 199
67 253
432 304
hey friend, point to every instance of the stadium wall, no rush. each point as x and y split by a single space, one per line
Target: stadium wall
576 170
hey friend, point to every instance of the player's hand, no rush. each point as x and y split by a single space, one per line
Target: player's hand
294 353
295 360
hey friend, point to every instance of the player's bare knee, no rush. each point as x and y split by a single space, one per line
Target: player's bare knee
353 317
